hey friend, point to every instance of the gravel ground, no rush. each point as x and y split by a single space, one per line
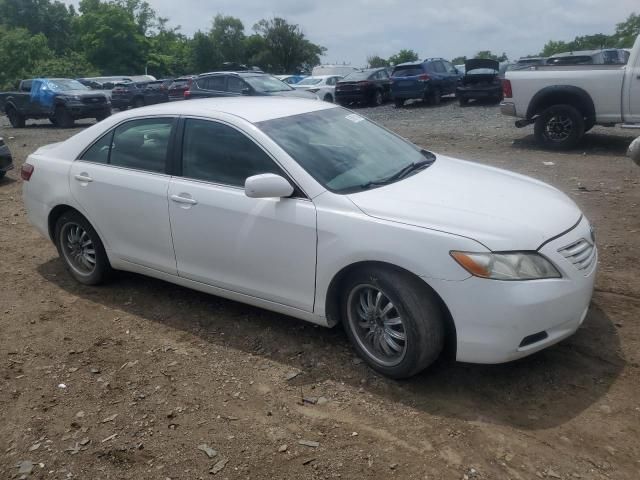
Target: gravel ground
163 382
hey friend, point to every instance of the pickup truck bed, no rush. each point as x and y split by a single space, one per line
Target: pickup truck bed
564 102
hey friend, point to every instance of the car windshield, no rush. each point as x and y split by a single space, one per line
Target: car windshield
267 84
64 85
310 81
364 75
344 151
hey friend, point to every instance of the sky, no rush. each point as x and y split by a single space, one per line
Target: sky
351 30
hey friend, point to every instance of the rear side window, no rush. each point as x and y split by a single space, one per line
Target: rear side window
235 85
99 151
407 71
212 83
138 144
438 67
217 153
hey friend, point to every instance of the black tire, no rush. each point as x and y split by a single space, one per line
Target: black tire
377 99
559 127
589 123
138 102
421 320
105 114
53 121
434 97
2 174
63 118
463 101
101 270
399 102
16 119
328 98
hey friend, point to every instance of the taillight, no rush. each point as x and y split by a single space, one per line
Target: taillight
506 89
424 77
26 171
187 92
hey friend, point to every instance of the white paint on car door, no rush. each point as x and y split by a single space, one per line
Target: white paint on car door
263 247
124 193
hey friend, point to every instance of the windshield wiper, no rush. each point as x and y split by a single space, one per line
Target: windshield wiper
399 175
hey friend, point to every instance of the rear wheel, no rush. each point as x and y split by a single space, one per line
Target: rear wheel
399 102
559 127
463 101
81 249
16 119
138 102
378 98
63 118
434 97
392 320
328 98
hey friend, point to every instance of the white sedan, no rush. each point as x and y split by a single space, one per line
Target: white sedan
324 86
310 210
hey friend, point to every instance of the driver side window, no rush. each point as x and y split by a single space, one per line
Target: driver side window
217 153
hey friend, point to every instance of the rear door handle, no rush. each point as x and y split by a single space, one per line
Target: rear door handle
83 177
181 199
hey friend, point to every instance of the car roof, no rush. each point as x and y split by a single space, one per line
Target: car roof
252 109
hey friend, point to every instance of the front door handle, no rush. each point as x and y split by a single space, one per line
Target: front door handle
83 177
181 199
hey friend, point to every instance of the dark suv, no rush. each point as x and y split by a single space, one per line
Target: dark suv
371 86
233 84
139 94
428 80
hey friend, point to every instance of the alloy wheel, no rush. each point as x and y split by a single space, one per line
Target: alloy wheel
559 128
377 325
78 249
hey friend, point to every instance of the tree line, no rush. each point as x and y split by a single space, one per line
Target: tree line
623 37
126 37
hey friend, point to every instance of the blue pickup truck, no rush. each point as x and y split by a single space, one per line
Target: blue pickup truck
61 100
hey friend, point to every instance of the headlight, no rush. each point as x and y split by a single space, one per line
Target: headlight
506 266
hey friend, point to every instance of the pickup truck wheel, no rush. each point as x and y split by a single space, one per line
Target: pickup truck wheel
559 127
63 118
399 102
589 123
393 321
16 119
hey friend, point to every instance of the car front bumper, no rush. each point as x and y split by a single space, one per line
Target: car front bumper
83 110
499 321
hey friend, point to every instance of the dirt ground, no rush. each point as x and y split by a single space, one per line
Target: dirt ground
128 380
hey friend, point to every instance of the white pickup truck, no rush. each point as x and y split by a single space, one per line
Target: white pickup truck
564 102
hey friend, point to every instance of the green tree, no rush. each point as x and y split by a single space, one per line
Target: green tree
627 31
375 61
20 52
72 64
52 19
204 56
287 48
169 51
256 52
492 56
458 60
404 55
228 36
111 38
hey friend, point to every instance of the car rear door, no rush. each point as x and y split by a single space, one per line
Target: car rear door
261 247
121 183
213 86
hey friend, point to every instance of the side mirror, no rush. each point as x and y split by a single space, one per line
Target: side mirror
267 185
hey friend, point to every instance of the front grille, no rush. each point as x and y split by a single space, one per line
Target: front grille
581 253
93 100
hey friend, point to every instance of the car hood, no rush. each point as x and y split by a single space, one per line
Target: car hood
476 63
500 209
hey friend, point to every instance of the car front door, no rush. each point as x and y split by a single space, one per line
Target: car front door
121 184
210 87
633 76
262 247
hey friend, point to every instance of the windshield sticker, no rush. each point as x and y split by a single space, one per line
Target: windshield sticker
354 117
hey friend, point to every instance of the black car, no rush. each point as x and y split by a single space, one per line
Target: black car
371 86
481 81
6 161
428 80
139 94
234 84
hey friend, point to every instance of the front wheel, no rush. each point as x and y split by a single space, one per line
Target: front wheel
392 320
328 98
105 114
81 249
16 119
559 127
399 102
63 118
378 98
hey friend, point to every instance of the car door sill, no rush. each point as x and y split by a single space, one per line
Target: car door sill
221 292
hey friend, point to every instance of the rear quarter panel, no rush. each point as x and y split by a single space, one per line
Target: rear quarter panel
603 85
